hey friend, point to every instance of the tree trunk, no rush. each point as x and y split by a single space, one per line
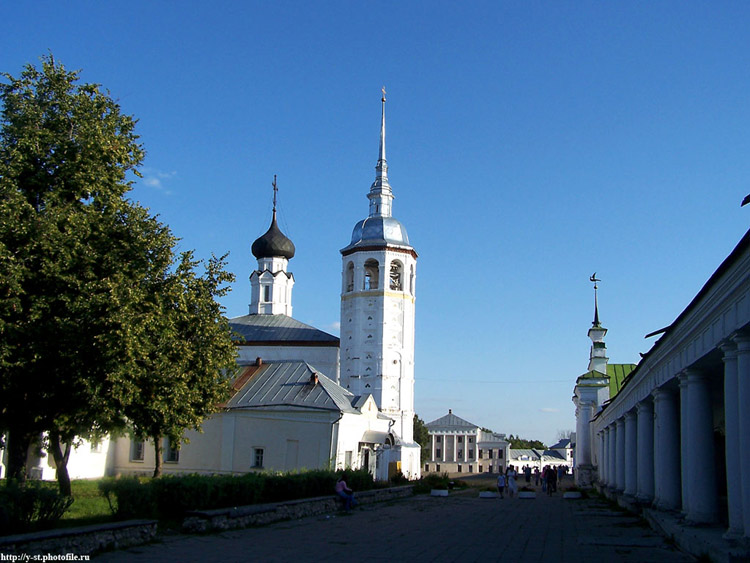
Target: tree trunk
157 451
18 443
61 462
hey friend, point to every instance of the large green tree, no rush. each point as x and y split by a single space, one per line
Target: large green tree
181 357
78 263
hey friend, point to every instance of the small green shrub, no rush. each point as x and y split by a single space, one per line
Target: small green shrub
30 506
432 481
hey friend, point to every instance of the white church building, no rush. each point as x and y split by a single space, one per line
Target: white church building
675 435
296 401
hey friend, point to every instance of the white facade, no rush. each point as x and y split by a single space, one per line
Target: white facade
271 287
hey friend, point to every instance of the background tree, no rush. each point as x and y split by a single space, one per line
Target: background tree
523 444
422 437
564 434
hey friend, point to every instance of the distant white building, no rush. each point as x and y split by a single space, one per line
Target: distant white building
458 446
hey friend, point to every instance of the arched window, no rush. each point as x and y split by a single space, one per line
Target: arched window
350 277
397 271
372 274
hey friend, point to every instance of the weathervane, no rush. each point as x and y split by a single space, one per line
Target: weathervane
594 279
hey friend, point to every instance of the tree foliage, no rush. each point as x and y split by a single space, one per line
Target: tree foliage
181 356
422 437
523 444
80 265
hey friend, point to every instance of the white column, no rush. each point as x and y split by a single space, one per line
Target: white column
620 454
604 465
667 490
631 454
743 417
645 481
583 433
612 484
684 441
732 438
703 507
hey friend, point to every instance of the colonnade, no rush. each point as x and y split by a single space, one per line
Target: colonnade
661 450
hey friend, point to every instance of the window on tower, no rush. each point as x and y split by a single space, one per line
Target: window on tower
372 273
397 276
350 277
267 293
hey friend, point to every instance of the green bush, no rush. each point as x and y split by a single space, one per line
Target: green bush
30 506
432 481
128 497
171 497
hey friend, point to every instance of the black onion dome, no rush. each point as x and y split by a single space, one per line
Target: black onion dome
273 244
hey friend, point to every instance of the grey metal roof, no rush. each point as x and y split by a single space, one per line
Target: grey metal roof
278 328
378 230
563 443
533 455
289 384
450 421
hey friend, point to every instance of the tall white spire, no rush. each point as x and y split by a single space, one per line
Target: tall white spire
598 356
380 195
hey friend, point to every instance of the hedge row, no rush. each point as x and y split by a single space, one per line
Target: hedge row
171 496
30 506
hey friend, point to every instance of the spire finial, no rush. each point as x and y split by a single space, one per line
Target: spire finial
275 191
380 195
594 279
381 159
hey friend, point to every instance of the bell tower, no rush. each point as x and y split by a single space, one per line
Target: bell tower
377 306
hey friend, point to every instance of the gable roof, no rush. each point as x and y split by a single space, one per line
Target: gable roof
518 453
278 330
288 384
450 422
561 444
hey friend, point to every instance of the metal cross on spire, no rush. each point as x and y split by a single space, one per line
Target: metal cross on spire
383 90
594 279
275 191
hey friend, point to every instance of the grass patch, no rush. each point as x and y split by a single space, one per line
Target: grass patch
89 505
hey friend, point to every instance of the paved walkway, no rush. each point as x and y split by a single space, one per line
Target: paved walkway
461 527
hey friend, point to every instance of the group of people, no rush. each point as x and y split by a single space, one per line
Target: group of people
549 476
507 481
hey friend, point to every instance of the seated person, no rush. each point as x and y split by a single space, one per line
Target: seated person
346 494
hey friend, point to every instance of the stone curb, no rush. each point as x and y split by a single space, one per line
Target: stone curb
201 521
83 540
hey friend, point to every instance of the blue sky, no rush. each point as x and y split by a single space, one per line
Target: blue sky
529 145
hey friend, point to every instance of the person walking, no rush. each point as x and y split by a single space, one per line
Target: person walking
512 486
501 484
